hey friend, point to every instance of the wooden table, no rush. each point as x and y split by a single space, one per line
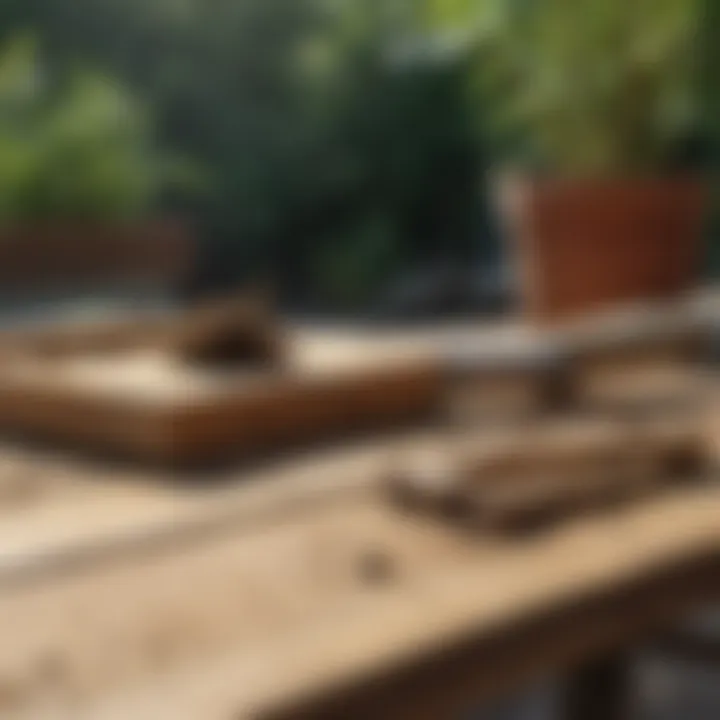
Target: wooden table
340 608
294 590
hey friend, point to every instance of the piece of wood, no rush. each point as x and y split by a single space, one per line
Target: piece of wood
554 473
680 449
488 398
642 357
488 385
427 481
231 331
536 503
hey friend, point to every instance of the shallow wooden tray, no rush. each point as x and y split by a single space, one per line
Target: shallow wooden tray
146 405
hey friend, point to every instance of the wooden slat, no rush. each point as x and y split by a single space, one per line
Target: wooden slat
553 471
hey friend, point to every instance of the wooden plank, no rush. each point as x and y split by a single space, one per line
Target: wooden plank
561 467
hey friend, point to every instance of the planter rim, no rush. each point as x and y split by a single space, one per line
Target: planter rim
532 180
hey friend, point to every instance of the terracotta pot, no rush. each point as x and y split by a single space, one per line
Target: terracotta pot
38 256
585 246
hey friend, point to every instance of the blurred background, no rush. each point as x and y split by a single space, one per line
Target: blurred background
335 146
303 139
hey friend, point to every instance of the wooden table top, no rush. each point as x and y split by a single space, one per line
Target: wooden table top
264 599
294 590
325 666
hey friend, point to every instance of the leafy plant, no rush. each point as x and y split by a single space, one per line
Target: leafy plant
584 87
82 148
350 268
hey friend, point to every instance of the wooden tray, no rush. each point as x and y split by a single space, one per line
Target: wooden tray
145 405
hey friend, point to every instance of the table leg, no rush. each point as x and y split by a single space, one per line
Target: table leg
599 690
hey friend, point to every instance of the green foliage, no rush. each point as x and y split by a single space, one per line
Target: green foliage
307 123
80 148
585 86
350 269
399 176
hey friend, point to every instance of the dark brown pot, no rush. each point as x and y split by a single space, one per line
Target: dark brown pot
61 253
584 246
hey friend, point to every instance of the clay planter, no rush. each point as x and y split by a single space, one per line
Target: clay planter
584 246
